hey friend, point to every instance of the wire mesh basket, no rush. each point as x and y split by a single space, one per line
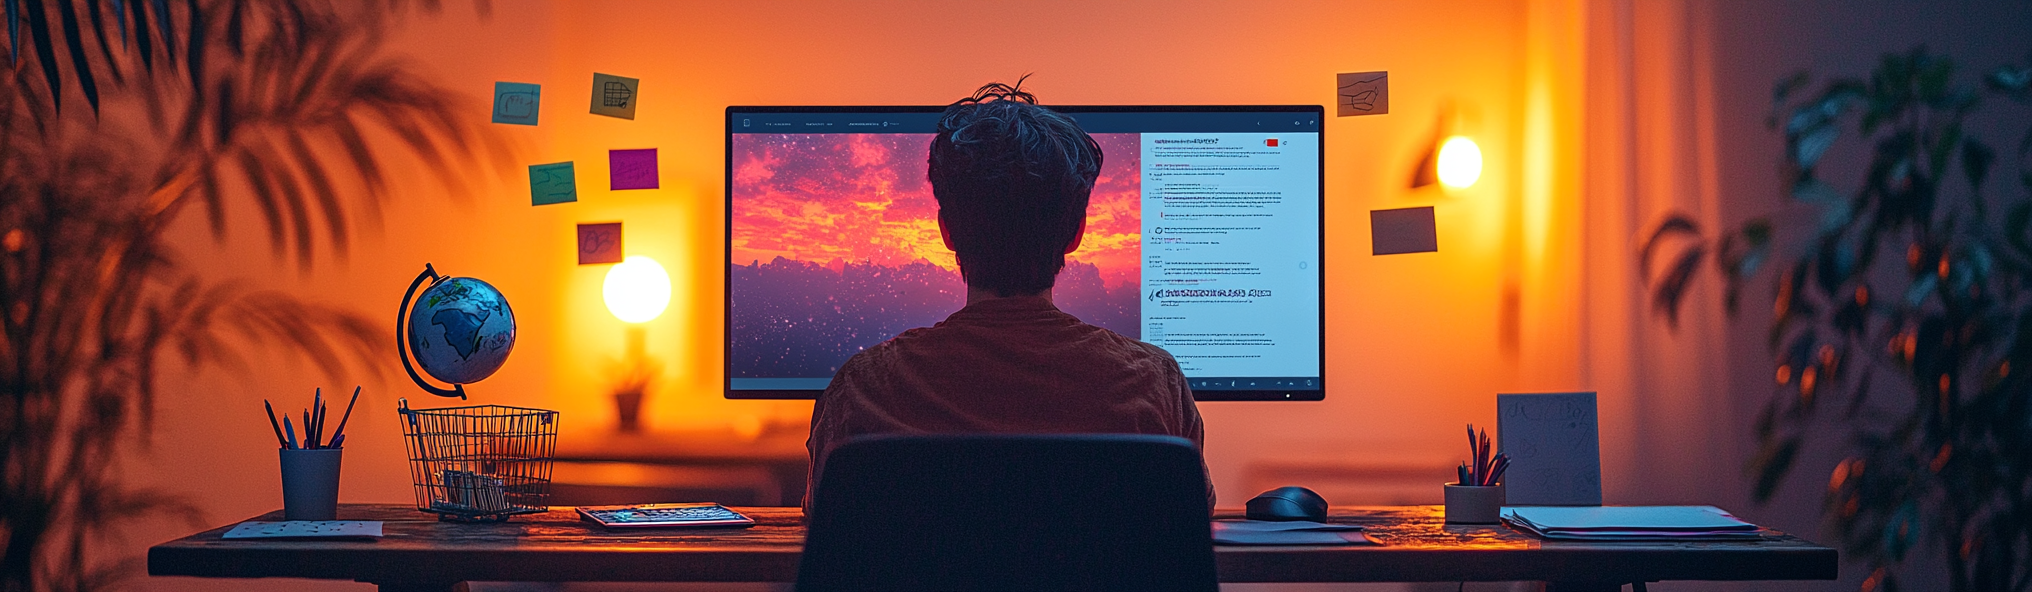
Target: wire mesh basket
481 463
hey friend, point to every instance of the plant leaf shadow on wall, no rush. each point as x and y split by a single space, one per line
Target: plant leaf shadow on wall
189 105
1921 275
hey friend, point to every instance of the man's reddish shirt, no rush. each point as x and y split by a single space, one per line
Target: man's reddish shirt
1004 365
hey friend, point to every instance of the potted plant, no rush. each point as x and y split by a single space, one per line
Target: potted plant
187 106
1902 317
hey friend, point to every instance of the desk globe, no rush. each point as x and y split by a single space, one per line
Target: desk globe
460 331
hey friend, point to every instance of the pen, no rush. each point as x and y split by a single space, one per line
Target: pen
306 430
339 435
1463 471
271 423
1501 466
1483 470
290 431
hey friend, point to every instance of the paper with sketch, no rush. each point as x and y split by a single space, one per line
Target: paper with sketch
553 183
1555 449
515 102
614 96
306 529
632 169
1361 93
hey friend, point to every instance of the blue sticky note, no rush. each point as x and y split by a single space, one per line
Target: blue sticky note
552 183
515 102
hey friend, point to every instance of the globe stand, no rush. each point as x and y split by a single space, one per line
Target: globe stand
402 336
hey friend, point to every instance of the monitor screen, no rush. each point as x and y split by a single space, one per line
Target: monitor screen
1203 238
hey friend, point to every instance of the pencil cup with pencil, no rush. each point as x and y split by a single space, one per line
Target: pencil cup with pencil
1477 498
310 466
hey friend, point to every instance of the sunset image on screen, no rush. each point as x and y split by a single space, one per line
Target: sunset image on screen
835 248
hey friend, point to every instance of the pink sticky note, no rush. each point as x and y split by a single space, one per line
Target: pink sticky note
599 243
632 169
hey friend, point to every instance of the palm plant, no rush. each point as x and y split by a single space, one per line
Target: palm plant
1922 275
187 106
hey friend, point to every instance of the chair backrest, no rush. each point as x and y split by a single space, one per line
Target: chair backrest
1010 512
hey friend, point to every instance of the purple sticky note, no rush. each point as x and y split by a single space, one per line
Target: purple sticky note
632 169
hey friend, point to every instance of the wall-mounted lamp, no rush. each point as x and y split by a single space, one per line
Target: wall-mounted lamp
1451 160
637 289
1460 162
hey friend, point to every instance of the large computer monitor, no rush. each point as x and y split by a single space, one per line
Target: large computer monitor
1203 237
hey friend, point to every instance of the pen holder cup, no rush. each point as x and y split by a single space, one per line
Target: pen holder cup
310 483
1466 504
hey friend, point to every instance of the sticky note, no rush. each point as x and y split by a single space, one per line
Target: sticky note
1408 230
614 96
515 102
1362 93
600 243
1554 443
632 169
552 183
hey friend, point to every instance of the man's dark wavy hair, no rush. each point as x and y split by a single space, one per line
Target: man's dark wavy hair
1012 181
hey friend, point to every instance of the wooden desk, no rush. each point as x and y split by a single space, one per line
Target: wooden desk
419 553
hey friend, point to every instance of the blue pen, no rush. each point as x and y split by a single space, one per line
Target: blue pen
289 430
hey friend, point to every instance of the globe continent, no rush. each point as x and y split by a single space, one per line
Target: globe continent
461 330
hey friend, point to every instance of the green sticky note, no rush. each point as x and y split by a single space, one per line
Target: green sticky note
515 102
552 184
614 96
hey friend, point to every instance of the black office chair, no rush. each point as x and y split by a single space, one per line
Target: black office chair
1032 512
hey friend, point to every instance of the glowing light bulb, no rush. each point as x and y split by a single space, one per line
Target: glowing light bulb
637 289
1460 162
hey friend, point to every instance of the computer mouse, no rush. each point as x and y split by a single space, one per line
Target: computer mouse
1290 502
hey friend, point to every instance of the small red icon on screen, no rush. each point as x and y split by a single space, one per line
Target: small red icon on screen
1272 142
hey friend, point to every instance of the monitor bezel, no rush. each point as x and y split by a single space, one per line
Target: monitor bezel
727 243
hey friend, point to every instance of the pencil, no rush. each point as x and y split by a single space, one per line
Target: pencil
317 414
271 423
340 434
290 430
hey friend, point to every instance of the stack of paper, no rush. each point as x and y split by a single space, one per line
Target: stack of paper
1298 532
1630 523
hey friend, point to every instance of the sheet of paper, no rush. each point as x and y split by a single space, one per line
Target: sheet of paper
632 169
614 96
1407 230
515 102
1554 446
300 529
1657 518
600 243
552 183
1279 525
1362 93
1242 533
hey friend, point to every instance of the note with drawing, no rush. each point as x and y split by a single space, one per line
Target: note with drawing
614 96
632 169
1554 445
516 102
552 183
600 243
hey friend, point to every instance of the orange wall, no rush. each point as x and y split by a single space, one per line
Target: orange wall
1415 346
